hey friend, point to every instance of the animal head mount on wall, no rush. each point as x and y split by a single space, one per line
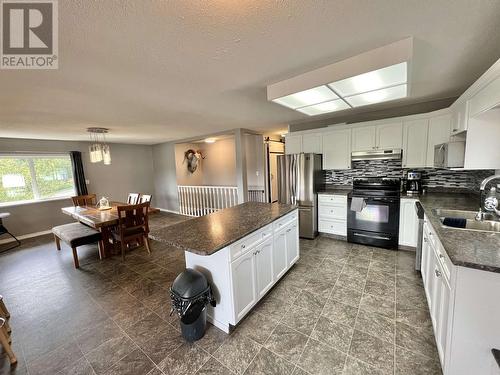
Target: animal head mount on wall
193 158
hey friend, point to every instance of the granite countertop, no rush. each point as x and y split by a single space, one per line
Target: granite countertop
206 235
473 249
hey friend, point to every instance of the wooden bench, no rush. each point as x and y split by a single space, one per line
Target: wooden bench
77 234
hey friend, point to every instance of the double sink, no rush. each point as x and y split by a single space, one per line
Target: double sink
466 220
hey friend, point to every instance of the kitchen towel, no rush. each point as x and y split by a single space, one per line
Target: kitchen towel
357 204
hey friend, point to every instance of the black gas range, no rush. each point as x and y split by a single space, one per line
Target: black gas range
376 221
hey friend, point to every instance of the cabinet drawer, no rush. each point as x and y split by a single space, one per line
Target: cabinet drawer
242 246
444 261
282 222
439 250
332 199
332 226
333 211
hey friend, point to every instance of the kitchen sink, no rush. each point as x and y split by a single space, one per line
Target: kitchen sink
466 220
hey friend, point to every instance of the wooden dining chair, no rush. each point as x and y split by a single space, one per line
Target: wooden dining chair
145 198
5 332
134 198
133 226
84 200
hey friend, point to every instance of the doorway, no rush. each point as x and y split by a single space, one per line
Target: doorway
273 150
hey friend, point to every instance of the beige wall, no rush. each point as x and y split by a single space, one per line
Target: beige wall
218 167
254 150
131 170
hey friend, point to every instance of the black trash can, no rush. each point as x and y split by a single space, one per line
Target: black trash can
190 294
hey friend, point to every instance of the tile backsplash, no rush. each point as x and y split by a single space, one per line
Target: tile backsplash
431 177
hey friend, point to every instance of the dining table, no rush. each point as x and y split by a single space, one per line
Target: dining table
104 220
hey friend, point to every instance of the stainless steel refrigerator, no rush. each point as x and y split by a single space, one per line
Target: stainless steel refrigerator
299 178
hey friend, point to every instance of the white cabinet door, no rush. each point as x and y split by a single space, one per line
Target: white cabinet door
279 253
337 149
311 143
364 139
292 244
408 223
459 117
293 144
415 143
442 318
439 132
431 283
389 135
244 284
424 266
264 266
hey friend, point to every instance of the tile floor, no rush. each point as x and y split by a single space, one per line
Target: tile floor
342 309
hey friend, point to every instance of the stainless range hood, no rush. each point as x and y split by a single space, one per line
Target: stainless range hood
377 154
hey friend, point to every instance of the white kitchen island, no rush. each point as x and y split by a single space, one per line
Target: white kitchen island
242 250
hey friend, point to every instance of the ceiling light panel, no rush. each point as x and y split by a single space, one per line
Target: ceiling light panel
377 96
307 97
318 109
390 76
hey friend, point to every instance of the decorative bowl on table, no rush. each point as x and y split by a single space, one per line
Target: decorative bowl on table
103 204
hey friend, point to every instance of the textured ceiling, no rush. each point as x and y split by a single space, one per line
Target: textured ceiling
154 71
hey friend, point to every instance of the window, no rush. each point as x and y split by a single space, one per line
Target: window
35 177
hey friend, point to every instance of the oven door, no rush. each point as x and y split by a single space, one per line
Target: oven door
381 215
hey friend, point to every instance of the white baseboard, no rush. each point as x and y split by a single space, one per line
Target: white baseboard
25 236
171 211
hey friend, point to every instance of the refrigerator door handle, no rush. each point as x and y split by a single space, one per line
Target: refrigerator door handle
292 179
298 177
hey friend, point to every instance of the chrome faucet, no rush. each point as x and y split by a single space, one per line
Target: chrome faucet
489 205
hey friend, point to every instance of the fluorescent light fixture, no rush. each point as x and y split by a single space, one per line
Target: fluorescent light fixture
318 109
393 75
209 140
381 85
374 76
307 97
378 96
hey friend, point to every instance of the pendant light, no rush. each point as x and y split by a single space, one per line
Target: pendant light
99 150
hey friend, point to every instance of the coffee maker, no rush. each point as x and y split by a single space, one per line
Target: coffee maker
414 183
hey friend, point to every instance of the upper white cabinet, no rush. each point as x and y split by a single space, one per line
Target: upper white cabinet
293 144
459 117
383 136
486 98
312 143
390 135
439 132
415 143
364 139
337 149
